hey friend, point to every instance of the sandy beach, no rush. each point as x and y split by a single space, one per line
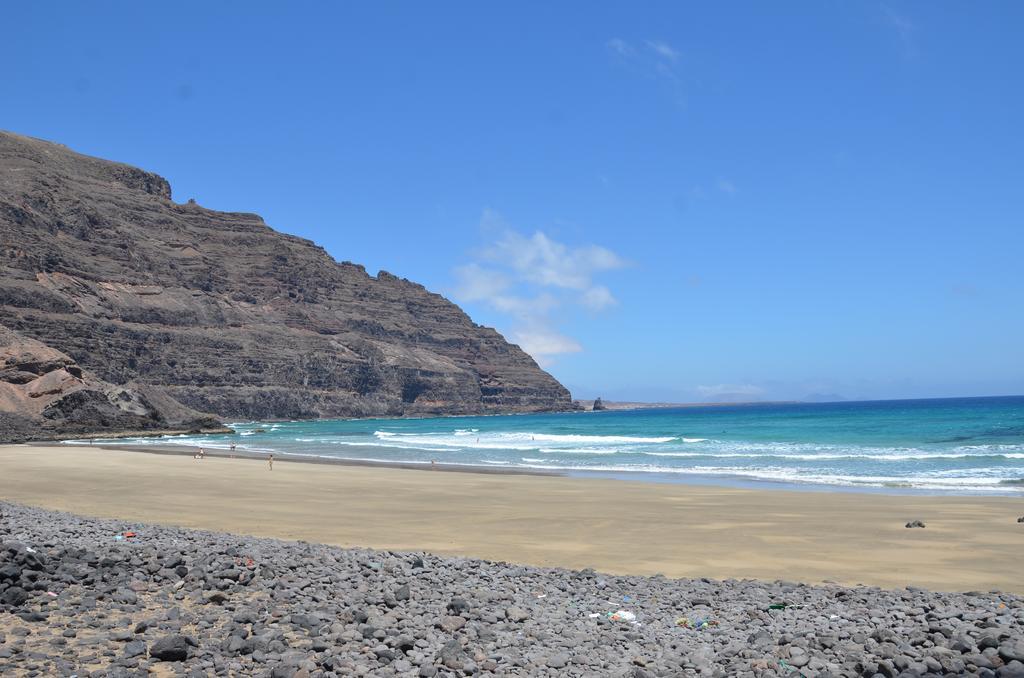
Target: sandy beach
621 527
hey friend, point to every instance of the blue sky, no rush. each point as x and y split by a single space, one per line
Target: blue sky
669 201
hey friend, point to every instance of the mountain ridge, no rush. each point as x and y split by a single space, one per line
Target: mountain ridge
221 313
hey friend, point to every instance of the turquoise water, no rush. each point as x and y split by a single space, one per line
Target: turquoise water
961 445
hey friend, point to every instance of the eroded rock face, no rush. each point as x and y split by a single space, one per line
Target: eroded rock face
45 393
223 314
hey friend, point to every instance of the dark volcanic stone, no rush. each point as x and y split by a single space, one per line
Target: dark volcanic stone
14 596
170 649
1012 650
10 572
451 654
135 648
216 597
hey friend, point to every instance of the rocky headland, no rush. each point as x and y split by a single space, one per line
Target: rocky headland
220 314
90 597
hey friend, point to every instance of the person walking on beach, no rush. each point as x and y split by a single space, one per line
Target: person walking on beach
270 462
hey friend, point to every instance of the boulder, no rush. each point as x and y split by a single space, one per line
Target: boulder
170 649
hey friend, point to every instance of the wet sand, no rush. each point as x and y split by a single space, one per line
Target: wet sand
622 527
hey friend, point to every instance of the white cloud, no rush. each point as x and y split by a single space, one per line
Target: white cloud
905 30
476 283
543 344
619 46
663 49
530 278
654 59
546 262
524 307
597 298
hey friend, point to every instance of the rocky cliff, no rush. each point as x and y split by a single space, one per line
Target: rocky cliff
222 314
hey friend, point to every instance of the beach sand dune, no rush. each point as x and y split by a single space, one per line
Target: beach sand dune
970 543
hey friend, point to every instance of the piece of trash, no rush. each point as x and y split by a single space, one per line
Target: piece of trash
51 593
915 523
622 615
30 549
784 665
542 595
698 624
595 615
833 617
777 606
118 537
625 599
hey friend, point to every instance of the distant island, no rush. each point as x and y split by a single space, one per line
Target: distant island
588 405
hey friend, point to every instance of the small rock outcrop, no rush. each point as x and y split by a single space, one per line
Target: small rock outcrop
45 393
599 405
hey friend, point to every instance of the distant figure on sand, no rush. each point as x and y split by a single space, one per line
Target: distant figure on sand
270 462
433 464
201 454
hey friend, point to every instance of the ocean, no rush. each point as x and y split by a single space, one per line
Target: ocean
958 445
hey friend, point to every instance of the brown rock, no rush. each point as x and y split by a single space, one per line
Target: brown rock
44 393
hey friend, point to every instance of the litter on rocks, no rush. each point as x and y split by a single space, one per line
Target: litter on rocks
784 606
622 615
787 668
698 624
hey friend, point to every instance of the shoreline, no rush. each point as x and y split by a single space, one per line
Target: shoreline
725 481
216 452
617 526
